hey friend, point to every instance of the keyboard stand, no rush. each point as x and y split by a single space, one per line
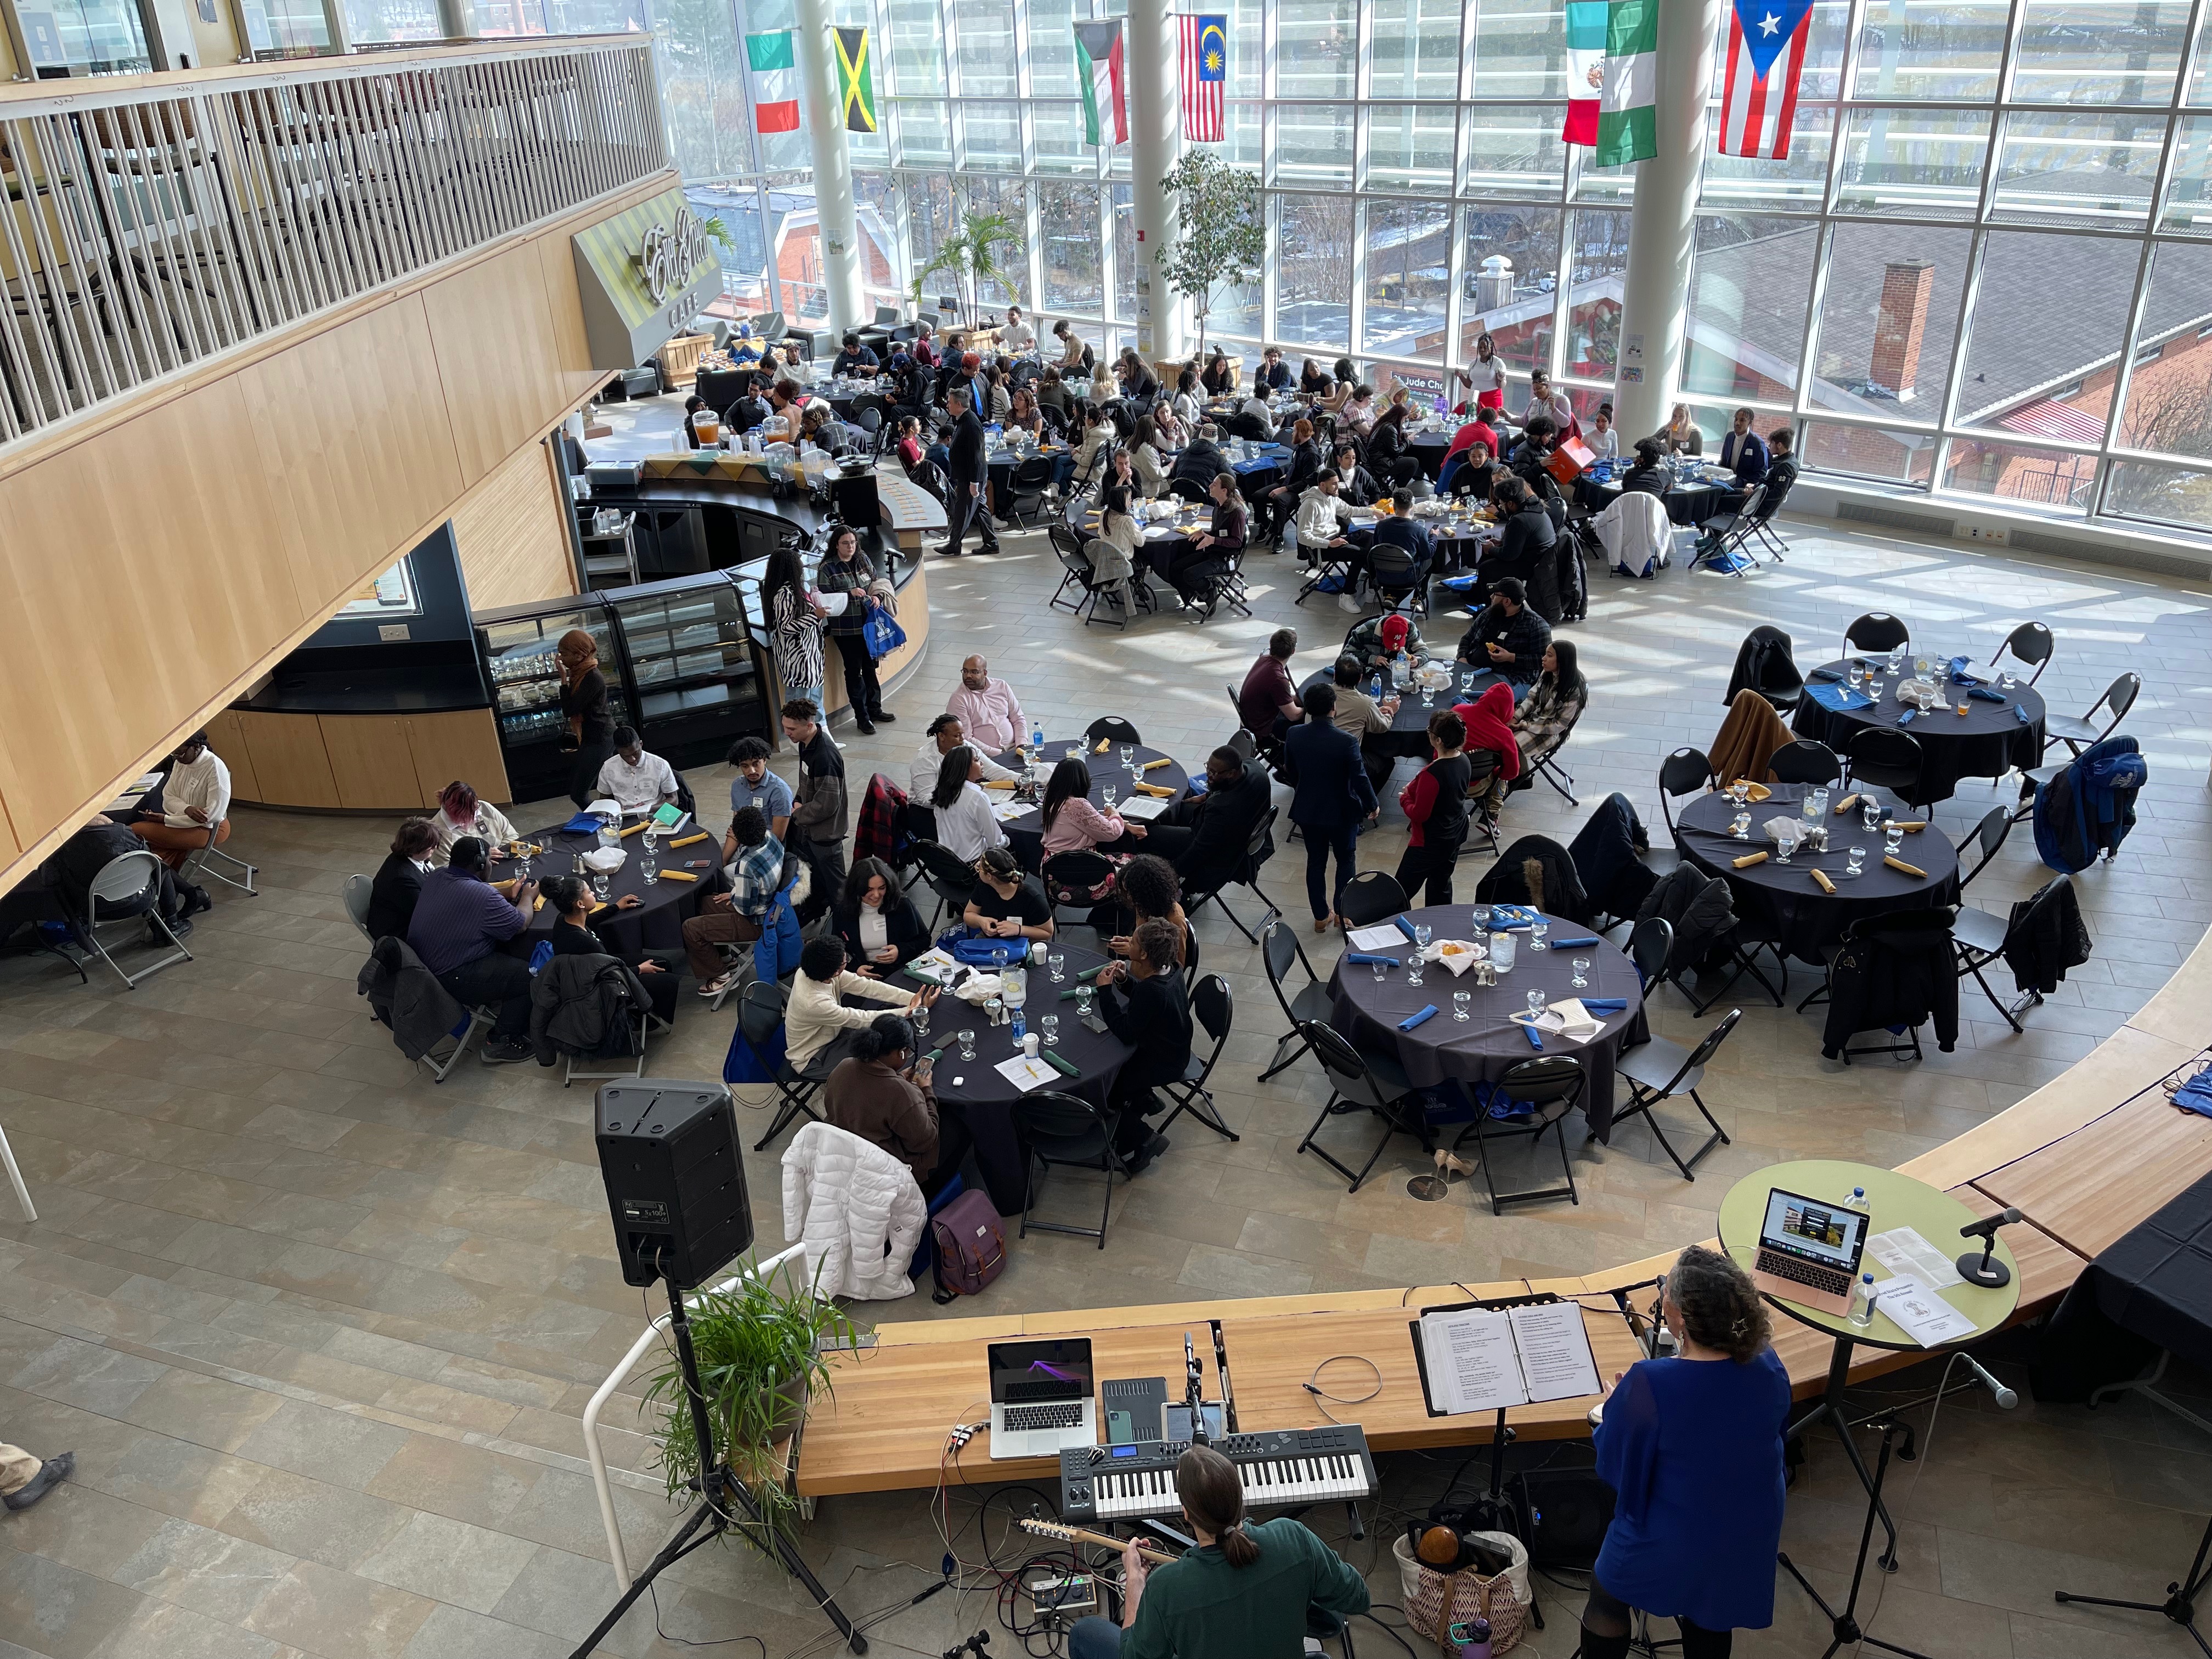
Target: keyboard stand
1833 1408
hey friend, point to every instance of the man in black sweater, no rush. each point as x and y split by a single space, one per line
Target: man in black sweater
1202 460
1508 639
971 472
1143 1002
1204 836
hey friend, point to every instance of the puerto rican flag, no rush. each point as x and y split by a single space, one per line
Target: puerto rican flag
1766 58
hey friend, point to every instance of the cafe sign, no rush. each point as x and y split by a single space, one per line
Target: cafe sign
643 276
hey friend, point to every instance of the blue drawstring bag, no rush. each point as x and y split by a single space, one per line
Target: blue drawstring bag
881 633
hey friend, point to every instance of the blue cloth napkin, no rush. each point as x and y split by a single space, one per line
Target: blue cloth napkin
1412 1020
2021 712
584 824
1983 693
1959 674
1828 674
1361 956
1535 1036
2196 1095
1572 944
1836 698
1906 719
1605 1004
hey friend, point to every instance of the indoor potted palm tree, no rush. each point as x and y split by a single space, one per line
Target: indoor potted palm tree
970 253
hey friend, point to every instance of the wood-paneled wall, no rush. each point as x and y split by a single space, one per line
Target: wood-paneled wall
511 530
156 566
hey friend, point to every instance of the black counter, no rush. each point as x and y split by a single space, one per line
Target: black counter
381 688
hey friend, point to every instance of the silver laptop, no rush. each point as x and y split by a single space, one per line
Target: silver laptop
1040 1398
1810 1251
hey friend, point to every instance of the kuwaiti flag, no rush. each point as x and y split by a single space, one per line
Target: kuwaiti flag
775 82
1099 70
1765 60
1586 21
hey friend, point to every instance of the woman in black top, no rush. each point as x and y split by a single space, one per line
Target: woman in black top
1313 378
399 881
1355 483
882 929
1219 375
1144 1002
693 407
584 703
572 936
1007 904
1435 805
845 570
1386 449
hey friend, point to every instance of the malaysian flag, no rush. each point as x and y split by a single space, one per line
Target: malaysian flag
1205 68
1766 56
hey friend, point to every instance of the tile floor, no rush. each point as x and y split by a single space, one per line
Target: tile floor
321 1332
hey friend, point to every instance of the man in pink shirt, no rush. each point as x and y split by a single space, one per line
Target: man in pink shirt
988 710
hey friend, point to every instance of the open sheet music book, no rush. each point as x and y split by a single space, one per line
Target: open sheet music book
1474 1358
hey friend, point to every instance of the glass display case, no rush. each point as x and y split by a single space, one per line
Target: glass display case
518 643
697 671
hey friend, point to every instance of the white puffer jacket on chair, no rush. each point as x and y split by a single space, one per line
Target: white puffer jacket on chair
858 1211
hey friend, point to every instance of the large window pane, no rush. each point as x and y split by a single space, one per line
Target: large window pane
1519 50
2094 51
1314 144
2045 336
1513 301
1926 162
797 234
984 32
917 47
1859 452
1948 54
1598 255
1052 48
1240 126
1313 302
929 200
2047 477
1125 253
1409 147
744 260
1006 198
1799 180
2078 169
1515 151
371 21
1068 225
1059 144
1749 291
1408 279
925 130
875 207
703 90
2188 194
2170 390
994 134
1415 52
1319 44
1889 319
2171 494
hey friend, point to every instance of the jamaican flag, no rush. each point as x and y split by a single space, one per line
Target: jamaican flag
856 90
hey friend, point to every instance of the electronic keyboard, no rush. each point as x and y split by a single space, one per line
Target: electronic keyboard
1286 1468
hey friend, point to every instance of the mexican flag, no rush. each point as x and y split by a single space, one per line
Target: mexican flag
775 73
1586 26
1099 68
1625 130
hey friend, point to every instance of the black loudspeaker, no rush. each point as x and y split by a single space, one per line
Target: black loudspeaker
857 501
1565 1513
676 1185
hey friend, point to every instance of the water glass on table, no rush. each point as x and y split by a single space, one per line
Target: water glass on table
1536 1003
1128 757
1480 916
1055 963
1869 813
1857 866
1892 842
1048 1030
1538 931
1110 795
1460 1001
967 1045
1382 966
1582 972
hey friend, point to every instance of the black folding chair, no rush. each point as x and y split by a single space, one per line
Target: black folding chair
760 1015
1060 1130
1876 633
1187 489
1989 838
1361 1082
1279 950
1027 488
1110 726
1980 939
1729 531
1213 1009
1651 942
1887 759
1395 575
1247 875
1071 879
1659 1071
1805 761
1547 766
1075 569
2079 733
951 880
1370 897
1552 1086
2031 643
1684 772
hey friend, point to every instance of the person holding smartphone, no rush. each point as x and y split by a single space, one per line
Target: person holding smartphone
882 1093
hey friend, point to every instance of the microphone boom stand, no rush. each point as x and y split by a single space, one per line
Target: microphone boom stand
1844 1628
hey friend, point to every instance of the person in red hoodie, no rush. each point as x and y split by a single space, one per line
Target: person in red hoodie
1435 805
1489 722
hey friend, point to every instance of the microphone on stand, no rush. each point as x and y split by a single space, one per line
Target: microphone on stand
2006 1398
1985 1270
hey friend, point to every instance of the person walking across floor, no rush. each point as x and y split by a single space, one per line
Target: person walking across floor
845 570
821 812
971 472
24 1479
1331 798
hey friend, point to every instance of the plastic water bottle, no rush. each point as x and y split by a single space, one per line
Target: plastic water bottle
1036 736
1857 1201
1863 1303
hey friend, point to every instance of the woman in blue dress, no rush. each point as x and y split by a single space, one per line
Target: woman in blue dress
1692 1447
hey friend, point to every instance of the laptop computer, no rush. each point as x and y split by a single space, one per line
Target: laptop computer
1809 1251
1041 1397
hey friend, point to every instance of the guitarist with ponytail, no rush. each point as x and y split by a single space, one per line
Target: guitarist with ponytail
1241 1594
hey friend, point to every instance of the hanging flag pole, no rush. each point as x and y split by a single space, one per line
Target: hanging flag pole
1099 68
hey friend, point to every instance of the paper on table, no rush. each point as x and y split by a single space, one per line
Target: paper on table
1142 807
1902 1251
1921 1314
1383 937
1555 1351
1025 1074
1008 811
935 965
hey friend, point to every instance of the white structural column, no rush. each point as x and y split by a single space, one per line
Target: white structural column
833 166
1656 293
1155 147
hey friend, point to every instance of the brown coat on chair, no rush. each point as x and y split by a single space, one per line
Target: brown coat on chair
1746 743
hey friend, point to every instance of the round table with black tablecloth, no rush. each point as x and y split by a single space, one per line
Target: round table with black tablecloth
1989 740
656 923
1782 901
980 1094
1428 449
1488 1043
1026 834
1003 460
1413 716
1689 502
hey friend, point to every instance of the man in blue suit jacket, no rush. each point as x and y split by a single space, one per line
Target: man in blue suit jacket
1331 797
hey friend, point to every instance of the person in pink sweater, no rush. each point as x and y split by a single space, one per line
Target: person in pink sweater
1072 824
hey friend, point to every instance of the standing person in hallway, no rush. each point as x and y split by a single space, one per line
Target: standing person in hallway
1692 1448
821 813
971 473
584 704
987 708
755 786
845 570
195 798
797 619
1435 805
1332 798
24 1479
459 926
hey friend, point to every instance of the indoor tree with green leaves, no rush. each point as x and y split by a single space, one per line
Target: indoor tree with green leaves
970 253
1221 230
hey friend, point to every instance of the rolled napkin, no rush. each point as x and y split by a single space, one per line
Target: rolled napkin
688 840
1750 859
540 905
1909 869
1535 1036
1070 995
1104 744
596 908
998 783
679 875
1982 693
1572 944
1906 719
1052 1057
632 830
1155 765
1908 824
1846 804
1828 674
1403 926
1156 791
1090 973
1412 1020
2021 712
1605 1004
1821 876
1362 956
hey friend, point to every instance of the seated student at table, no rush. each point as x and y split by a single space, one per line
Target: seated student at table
1333 797
1434 805
997 400
881 1092
882 929
1360 412
1648 473
1053 396
1681 436
1201 458
1136 379
755 786
1377 639
987 708
1355 483
1206 837
399 881
1115 550
195 798
1092 437
819 1032
941 738
1274 374
60 888
1692 1446
753 867
1530 462
1267 702
1190 564
1145 1001
854 358
1525 534
693 407
1323 517
1145 890
1016 336
457 928
1399 529
1545 716
1489 726
1508 638
572 902
1243 1593
1185 403
1476 475
966 825
905 382
1007 904
784 412
1743 452
1473 430
1022 415
1218 377
1601 440
819 425
1148 458
1387 456
461 812
910 452
1072 823
634 780
1073 353
1366 719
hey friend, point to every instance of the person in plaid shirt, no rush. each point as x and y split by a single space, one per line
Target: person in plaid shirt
754 869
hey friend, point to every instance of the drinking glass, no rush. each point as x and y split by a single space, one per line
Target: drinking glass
1808 810
1739 826
1501 953
1784 849
1056 965
920 1017
1413 968
996 1009
967 1045
1074 751
1128 757
1480 916
600 887
1920 668
1538 930
1740 792
1857 866
1582 972
1048 1030
1111 795
1382 969
1460 1001
1428 695
1466 684
1869 813
1854 674
1535 1002
1821 799
1892 842
1421 937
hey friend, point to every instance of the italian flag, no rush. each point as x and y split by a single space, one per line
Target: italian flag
775 82
1625 129
1099 70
